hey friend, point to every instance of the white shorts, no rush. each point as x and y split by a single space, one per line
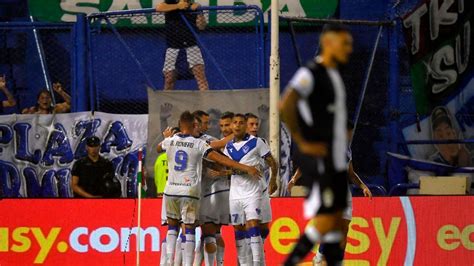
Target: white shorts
193 56
182 208
266 208
164 219
242 210
215 208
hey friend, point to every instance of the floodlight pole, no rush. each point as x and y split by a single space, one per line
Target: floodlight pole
275 83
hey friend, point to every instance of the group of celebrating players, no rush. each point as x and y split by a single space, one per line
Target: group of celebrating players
214 182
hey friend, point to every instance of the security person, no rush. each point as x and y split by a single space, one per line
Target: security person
88 172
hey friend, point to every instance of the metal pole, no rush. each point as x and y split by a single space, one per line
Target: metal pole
393 92
275 83
79 86
139 220
44 67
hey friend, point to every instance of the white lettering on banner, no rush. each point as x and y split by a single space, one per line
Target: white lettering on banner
77 6
96 239
127 5
74 239
37 154
107 239
413 21
294 9
443 57
439 15
153 232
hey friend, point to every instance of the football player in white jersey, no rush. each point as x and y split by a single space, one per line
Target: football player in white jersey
269 183
213 212
246 192
183 191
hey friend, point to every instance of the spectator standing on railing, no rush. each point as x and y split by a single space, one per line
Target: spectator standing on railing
179 37
10 102
44 104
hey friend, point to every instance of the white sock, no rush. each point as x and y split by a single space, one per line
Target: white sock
171 237
220 252
220 255
209 258
241 245
248 249
188 256
163 253
198 253
256 245
318 258
178 256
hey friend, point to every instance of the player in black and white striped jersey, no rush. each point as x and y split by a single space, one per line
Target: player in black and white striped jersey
314 109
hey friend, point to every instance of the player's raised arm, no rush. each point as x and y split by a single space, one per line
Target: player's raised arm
221 159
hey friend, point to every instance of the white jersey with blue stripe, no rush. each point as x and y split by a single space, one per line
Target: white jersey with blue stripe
185 154
248 151
212 185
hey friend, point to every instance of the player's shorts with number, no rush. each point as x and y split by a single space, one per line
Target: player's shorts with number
185 209
242 210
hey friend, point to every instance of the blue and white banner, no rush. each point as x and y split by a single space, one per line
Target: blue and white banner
37 152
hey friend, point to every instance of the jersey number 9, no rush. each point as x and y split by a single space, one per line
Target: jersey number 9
181 160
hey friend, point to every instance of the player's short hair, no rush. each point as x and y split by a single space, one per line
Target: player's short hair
186 118
250 115
240 115
337 28
200 113
227 115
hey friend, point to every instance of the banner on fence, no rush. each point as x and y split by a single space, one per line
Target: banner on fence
165 108
440 45
384 231
37 151
66 10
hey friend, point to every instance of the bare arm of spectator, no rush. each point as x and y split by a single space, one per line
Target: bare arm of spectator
10 102
66 105
293 180
30 110
355 179
78 190
200 20
164 7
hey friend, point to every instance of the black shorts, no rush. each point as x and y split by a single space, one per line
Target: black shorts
324 182
333 192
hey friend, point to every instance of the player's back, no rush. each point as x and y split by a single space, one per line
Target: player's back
185 154
249 151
